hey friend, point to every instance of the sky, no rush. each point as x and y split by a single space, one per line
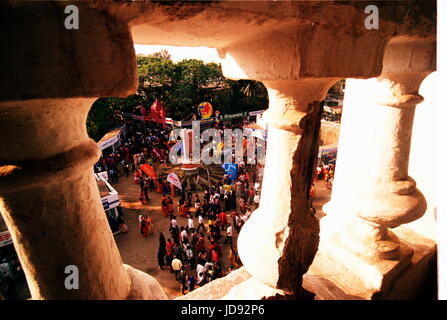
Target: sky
180 53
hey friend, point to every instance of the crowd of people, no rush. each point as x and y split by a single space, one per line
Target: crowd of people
210 223
325 171
203 247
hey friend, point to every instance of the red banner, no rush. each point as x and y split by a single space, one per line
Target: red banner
149 171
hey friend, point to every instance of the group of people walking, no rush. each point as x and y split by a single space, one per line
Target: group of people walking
202 247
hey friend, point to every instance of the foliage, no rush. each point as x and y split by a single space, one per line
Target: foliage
181 87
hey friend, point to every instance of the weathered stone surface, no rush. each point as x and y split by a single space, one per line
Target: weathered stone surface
219 288
42 59
144 287
329 132
50 201
377 191
278 242
50 167
331 280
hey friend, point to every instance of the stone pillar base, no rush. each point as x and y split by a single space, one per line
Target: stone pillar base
144 287
339 274
374 274
240 285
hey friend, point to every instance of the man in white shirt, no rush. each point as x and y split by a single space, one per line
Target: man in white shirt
209 265
238 188
229 238
183 234
238 223
256 200
201 224
190 256
177 266
173 223
200 268
190 224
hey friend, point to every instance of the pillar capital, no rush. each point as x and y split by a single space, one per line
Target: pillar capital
43 59
293 101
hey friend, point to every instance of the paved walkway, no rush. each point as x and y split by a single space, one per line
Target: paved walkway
141 253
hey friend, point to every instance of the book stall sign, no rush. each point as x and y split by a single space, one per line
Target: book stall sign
234 115
109 142
104 175
5 238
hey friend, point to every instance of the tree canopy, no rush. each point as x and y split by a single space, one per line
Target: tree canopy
181 87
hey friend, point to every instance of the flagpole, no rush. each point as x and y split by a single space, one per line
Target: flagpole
209 184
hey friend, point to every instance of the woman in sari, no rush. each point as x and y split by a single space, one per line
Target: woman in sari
161 253
159 187
150 226
170 205
164 207
185 212
143 225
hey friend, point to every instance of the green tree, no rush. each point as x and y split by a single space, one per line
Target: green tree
181 87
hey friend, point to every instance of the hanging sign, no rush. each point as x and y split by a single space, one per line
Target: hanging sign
173 178
205 110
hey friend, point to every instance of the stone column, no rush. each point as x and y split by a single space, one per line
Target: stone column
279 241
372 191
48 194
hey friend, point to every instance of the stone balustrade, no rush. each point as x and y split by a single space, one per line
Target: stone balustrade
52 75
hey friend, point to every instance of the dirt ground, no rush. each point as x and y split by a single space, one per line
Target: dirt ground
141 253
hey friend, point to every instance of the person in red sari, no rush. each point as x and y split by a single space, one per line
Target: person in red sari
142 197
169 254
170 205
143 226
164 206
159 190
200 245
222 220
150 226
185 212
215 256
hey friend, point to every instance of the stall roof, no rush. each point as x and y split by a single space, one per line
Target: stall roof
111 134
103 189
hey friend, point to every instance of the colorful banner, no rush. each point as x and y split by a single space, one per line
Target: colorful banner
231 170
149 171
205 110
5 238
109 142
173 178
